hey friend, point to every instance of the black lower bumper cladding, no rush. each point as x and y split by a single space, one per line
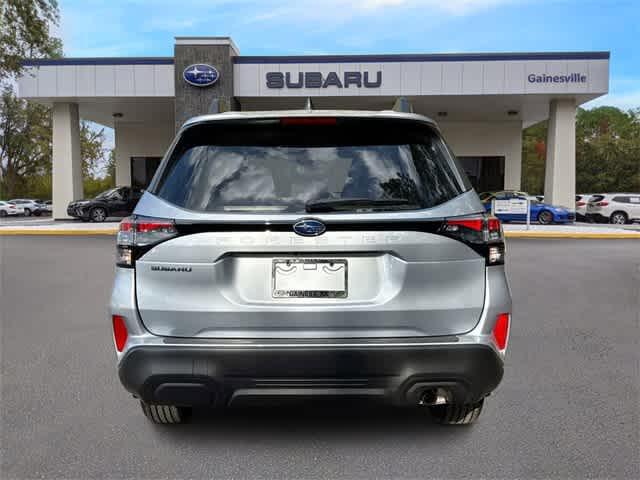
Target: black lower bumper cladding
190 376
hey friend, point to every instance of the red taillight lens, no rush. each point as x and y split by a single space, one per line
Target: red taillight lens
120 333
126 225
501 330
476 224
138 234
494 228
580 204
308 121
602 204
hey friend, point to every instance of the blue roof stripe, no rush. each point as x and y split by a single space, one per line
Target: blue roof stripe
39 62
419 57
412 57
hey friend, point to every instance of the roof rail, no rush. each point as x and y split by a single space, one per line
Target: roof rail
402 105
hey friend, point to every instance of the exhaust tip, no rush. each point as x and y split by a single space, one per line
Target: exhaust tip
434 396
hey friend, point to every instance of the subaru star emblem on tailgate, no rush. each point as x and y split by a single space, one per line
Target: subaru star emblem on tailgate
309 227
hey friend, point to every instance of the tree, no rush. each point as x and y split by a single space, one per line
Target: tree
92 149
534 151
607 152
25 143
26 150
25 33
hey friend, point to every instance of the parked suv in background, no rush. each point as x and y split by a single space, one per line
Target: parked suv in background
617 208
7 209
116 202
30 206
308 253
582 200
48 206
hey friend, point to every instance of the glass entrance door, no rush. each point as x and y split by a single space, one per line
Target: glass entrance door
142 170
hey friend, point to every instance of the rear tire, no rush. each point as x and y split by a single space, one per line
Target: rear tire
165 414
27 212
452 414
545 217
98 214
618 218
3 213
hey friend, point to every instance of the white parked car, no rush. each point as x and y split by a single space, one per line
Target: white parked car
7 209
617 208
30 206
582 199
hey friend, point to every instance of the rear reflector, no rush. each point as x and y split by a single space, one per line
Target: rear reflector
120 334
501 331
308 121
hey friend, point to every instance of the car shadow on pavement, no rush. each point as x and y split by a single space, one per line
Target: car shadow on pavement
360 421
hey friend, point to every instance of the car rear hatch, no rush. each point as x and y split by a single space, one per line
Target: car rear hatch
595 203
319 227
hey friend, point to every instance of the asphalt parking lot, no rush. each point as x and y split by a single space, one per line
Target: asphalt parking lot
568 405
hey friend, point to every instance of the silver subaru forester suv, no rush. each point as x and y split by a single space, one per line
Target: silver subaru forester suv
310 253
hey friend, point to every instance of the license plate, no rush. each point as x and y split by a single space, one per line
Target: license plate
309 278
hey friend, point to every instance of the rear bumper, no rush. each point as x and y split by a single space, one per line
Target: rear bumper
190 375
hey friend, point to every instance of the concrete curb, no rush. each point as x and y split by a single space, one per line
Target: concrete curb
508 234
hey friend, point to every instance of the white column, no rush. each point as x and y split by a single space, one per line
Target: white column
67 163
560 169
123 163
513 160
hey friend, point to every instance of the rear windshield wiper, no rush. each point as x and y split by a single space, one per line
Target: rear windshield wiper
334 204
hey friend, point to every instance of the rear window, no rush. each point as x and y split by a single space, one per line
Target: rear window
596 198
284 166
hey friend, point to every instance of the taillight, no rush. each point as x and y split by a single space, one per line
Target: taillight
120 333
137 235
580 204
482 233
602 204
501 331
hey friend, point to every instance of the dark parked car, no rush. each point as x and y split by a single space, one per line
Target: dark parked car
117 202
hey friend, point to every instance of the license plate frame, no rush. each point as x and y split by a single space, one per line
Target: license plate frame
331 263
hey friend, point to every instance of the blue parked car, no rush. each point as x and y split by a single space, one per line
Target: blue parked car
540 212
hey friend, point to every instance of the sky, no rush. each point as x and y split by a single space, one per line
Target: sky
92 28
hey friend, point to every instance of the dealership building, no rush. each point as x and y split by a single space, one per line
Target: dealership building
481 102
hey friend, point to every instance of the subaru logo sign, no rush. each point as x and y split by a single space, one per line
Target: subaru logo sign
200 75
309 227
